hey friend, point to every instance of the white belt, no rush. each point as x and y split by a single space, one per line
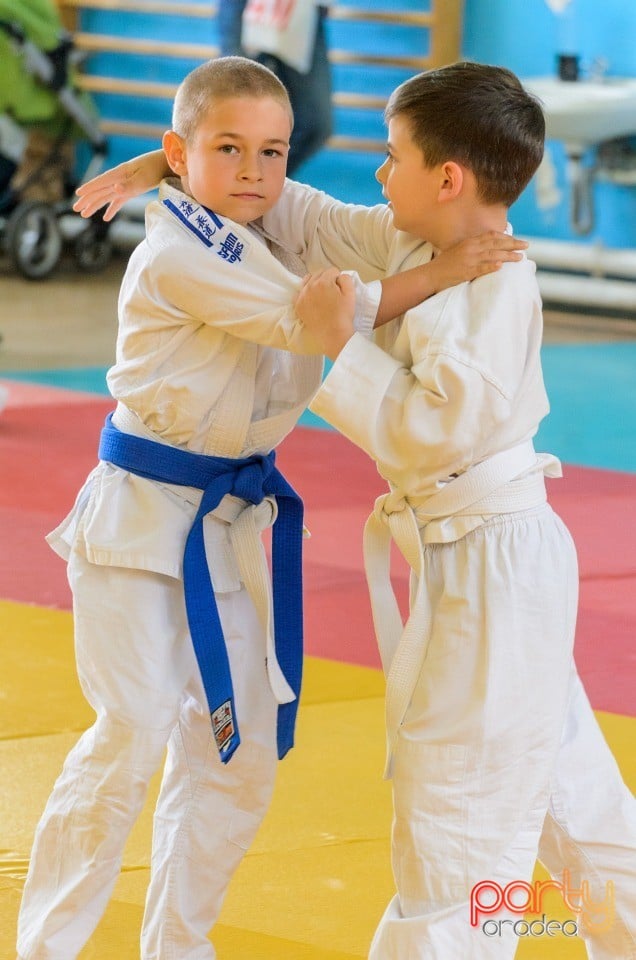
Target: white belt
484 490
246 522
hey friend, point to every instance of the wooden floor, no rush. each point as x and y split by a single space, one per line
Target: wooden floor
70 319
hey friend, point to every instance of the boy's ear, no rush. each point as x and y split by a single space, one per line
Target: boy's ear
452 180
175 150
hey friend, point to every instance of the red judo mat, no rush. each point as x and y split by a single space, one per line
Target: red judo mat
48 442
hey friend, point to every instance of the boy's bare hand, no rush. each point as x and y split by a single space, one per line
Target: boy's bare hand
326 307
113 188
475 257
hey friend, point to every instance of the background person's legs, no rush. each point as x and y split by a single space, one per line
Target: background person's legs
310 95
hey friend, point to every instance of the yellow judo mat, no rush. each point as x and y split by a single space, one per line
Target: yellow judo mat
318 877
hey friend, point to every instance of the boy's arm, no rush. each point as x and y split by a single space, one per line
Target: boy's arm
326 232
468 260
321 298
331 233
236 286
349 236
279 327
113 188
435 416
370 228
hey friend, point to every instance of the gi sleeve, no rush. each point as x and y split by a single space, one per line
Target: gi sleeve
252 299
424 420
326 232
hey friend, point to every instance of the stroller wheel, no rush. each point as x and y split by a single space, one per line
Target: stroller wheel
92 250
33 239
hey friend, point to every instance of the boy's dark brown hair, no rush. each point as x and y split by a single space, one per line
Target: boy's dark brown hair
479 116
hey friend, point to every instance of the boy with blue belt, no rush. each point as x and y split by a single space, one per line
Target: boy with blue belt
495 754
173 615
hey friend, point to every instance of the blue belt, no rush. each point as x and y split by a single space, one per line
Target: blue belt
250 479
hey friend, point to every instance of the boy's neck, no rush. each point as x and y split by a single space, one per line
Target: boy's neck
469 222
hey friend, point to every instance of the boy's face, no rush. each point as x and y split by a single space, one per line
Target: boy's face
411 188
237 160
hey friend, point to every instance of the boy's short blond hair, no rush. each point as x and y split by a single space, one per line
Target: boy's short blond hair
223 79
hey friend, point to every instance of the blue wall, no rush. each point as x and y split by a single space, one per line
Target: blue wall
525 35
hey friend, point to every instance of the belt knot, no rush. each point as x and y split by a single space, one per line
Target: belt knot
389 504
250 480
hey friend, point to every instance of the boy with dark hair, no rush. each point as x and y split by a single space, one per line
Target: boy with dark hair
495 754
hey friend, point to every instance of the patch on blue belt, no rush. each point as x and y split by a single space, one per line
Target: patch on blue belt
223 725
209 228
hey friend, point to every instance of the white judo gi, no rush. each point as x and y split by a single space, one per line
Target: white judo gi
495 753
205 361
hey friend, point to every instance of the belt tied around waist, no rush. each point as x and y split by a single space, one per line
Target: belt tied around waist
483 490
250 479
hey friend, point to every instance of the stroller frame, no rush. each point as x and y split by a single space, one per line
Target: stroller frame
31 230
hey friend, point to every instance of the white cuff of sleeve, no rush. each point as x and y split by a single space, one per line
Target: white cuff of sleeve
368 297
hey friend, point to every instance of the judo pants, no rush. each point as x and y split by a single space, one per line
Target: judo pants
138 671
500 759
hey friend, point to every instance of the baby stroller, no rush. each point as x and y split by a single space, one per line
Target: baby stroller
34 231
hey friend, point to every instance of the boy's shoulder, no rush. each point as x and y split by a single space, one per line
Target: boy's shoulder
505 298
495 316
491 327
514 283
509 289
